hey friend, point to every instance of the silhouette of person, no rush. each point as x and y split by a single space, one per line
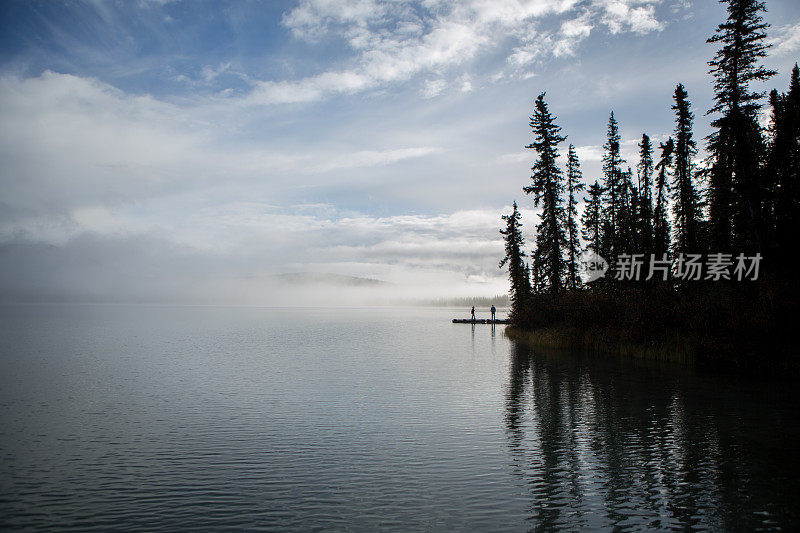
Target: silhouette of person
493 310
473 312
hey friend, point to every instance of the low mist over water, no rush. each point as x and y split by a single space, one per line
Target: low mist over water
164 417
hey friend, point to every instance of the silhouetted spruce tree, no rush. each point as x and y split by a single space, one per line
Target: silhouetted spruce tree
645 203
517 270
527 289
574 186
592 219
537 274
626 220
736 190
547 188
613 186
685 206
776 159
661 228
783 170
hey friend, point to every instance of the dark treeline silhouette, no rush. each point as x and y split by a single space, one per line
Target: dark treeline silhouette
701 253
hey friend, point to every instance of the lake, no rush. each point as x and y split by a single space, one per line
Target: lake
167 417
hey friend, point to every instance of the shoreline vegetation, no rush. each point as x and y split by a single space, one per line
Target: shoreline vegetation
680 258
722 327
677 349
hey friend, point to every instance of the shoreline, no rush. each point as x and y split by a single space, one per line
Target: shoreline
676 350
682 350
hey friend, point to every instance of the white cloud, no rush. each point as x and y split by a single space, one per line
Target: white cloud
629 149
578 27
433 88
517 157
786 39
210 73
312 18
628 15
589 153
462 243
522 56
309 89
394 42
571 34
104 176
72 145
67 140
618 15
369 158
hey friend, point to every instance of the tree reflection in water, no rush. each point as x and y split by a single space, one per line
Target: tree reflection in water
603 443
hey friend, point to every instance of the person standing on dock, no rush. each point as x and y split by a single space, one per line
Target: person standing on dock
473 313
493 310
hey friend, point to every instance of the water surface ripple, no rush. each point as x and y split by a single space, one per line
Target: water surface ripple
161 418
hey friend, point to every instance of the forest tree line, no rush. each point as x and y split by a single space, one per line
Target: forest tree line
742 203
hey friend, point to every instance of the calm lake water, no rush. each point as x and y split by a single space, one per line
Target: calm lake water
164 418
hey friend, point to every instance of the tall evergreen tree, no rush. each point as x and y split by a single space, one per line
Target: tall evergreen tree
574 186
736 190
783 169
645 203
685 207
613 185
538 279
592 220
626 219
660 222
547 188
526 281
517 270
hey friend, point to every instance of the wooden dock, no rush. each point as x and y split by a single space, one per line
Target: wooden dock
478 321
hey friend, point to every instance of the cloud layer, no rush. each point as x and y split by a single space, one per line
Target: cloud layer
185 154
395 41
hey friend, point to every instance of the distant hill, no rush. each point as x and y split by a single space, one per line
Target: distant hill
335 280
500 300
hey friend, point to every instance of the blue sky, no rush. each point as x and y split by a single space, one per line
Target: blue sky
161 148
